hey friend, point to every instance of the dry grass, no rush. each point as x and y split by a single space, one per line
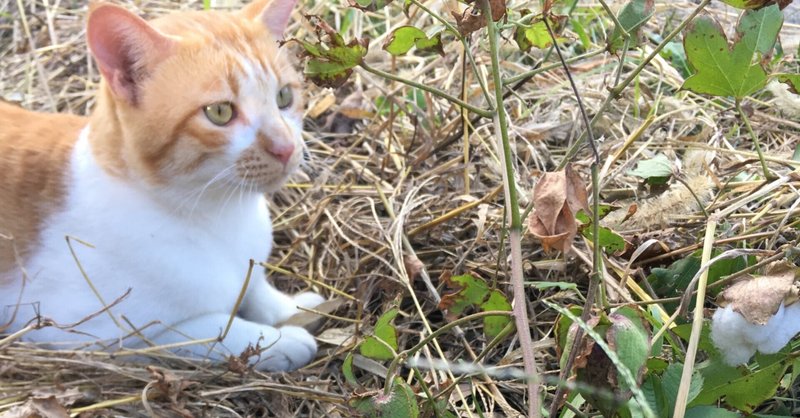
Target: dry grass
380 177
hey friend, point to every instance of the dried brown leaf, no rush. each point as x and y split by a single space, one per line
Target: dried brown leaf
758 298
557 197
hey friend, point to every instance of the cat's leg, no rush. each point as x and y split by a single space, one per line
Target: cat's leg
284 348
265 304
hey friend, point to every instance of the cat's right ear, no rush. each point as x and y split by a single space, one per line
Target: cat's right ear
125 48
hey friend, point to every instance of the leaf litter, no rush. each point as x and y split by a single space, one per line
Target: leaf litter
334 234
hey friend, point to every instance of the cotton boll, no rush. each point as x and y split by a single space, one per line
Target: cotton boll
726 333
770 338
785 330
738 339
756 334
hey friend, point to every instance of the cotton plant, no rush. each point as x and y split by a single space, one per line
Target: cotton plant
757 314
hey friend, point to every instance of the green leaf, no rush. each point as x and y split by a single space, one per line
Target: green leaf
347 370
671 381
791 80
330 61
471 291
401 402
759 29
631 341
402 39
658 166
746 4
710 412
610 241
741 389
536 35
722 71
386 332
632 17
492 325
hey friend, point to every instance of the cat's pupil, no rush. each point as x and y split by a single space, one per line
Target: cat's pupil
219 113
284 97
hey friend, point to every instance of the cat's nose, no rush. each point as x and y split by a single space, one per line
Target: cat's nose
282 150
281 153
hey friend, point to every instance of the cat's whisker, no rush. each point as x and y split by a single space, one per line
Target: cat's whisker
218 177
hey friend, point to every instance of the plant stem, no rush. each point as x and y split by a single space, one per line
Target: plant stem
594 281
615 92
515 230
625 34
430 337
697 322
743 115
434 91
536 71
467 51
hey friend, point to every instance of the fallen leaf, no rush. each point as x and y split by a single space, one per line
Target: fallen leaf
48 407
557 197
758 298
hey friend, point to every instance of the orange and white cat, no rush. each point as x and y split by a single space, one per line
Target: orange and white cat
198 115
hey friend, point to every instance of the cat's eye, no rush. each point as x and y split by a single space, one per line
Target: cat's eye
284 97
219 114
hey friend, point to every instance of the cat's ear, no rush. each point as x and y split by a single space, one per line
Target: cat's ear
274 14
125 47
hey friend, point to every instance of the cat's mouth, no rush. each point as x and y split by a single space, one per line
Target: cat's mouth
265 178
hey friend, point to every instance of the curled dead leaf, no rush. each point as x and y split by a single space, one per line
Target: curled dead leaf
472 18
758 298
557 197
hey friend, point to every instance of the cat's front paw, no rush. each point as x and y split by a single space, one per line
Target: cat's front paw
294 348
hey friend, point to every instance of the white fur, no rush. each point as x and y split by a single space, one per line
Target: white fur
184 271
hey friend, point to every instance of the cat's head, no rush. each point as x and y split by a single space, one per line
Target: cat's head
198 99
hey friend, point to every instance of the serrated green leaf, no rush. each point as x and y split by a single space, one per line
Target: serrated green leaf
631 342
492 325
386 332
720 70
330 61
740 388
632 17
658 166
402 39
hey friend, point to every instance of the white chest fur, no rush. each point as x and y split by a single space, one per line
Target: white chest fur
182 270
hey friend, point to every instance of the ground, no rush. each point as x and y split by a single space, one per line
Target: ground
396 199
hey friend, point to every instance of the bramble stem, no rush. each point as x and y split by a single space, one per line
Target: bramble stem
515 231
434 91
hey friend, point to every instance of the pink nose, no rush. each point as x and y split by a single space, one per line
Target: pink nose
281 152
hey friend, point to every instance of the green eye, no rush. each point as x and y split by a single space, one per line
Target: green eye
219 114
284 97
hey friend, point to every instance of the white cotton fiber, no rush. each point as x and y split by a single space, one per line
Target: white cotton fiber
738 339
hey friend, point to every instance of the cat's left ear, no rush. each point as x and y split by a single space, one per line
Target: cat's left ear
274 14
